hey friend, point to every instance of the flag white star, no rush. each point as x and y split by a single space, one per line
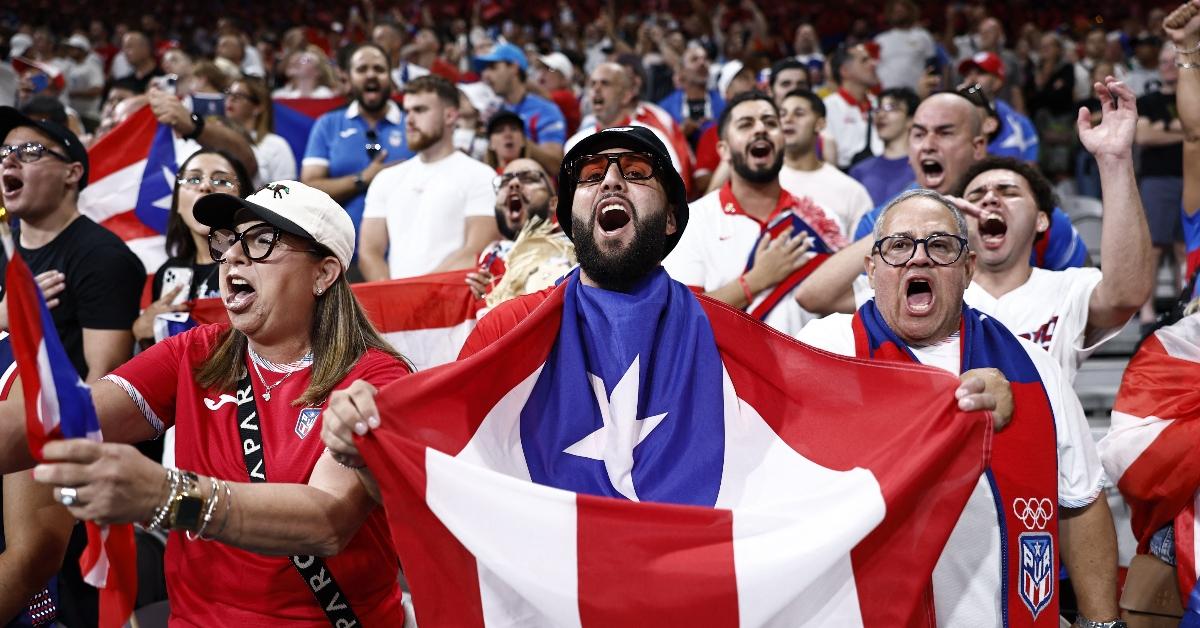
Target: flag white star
1017 138
621 431
165 202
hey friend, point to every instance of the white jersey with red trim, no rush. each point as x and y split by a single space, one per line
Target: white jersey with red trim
716 246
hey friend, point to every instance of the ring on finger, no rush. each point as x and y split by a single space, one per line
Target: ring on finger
68 496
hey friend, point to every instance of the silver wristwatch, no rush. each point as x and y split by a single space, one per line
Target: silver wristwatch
1082 622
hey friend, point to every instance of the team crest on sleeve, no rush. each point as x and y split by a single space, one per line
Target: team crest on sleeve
1036 579
306 420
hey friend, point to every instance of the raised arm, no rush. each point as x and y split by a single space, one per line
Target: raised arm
1183 27
1124 237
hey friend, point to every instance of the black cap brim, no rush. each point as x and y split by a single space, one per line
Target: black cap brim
635 138
11 118
504 116
219 211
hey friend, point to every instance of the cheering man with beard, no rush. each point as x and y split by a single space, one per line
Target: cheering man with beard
751 216
534 252
1041 495
347 147
432 213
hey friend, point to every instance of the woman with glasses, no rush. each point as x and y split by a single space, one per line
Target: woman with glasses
190 272
266 526
248 105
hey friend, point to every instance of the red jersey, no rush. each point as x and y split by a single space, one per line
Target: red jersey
500 319
213 584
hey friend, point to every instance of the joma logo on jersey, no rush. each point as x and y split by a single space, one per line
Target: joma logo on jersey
1044 334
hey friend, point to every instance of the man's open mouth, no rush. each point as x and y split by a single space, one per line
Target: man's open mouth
612 216
918 295
12 183
761 149
933 170
992 229
515 204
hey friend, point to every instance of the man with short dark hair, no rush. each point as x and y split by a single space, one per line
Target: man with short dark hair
93 282
432 213
802 116
348 147
694 106
753 217
504 70
889 173
787 75
615 103
848 110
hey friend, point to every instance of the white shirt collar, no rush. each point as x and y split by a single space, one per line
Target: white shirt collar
392 115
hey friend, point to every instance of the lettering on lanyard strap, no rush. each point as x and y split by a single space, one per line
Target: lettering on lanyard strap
316 576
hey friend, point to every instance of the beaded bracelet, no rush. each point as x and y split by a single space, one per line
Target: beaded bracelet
176 479
1188 51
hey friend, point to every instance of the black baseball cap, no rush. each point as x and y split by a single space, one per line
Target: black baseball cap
634 138
11 119
504 116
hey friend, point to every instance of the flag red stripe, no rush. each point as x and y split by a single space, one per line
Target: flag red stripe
312 107
926 494
425 302
687 555
124 145
24 313
1153 385
128 226
1185 549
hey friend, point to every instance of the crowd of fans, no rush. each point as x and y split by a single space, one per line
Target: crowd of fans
446 143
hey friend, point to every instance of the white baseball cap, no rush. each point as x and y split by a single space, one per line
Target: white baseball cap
79 40
293 207
558 62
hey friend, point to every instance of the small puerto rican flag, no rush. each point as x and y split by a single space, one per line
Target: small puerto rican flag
59 405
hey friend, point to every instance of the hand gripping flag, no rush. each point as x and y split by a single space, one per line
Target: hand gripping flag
658 459
1150 449
425 318
59 405
131 182
803 217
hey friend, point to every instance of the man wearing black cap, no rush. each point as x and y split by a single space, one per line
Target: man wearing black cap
622 204
92 280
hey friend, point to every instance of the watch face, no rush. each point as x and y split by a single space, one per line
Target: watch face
188 515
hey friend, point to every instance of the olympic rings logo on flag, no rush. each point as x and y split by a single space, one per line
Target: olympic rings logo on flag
1035 513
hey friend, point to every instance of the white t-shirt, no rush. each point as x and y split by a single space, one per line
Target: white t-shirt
426 205
276 161
966 580
86 74
847 125
902 56
1051 311
835 191
714 249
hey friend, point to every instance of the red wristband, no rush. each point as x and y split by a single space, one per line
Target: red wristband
746 290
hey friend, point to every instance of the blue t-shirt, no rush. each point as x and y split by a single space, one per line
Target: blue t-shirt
543 120
1064 247
339 138
1017 138
883 177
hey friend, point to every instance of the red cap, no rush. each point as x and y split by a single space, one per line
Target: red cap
987 61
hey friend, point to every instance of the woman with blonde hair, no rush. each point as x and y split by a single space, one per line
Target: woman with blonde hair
248 104
308 73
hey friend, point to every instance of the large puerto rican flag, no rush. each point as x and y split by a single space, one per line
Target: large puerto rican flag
835 497
59 405
1150 450
425 318
131 180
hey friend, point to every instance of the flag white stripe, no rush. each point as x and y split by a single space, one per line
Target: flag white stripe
97 576
1180 340
48 395
1127 438
525 549
794 524
114 194
428 348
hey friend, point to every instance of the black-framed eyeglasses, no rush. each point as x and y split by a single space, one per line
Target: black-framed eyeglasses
633 166
526 177
196 180
942 249
258 241
30 152
373 146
